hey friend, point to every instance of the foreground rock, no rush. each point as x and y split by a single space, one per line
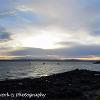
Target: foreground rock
97 62
72 85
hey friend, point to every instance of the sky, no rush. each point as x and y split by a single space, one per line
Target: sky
54 29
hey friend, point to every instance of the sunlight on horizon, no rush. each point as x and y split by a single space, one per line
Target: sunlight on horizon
49 58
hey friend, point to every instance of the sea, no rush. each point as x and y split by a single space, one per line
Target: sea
36 69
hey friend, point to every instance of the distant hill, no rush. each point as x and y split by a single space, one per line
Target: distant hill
58 60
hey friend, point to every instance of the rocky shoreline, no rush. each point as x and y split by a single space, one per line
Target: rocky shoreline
73 85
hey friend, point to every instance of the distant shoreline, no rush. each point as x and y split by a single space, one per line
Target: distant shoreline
74 60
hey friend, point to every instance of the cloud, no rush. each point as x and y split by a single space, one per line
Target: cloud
71 14
7 8
67 16
4 35
75 22
28 51
78 51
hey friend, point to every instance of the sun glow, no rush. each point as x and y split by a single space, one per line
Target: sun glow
43 41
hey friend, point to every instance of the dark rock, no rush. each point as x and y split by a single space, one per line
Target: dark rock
75 84
97 62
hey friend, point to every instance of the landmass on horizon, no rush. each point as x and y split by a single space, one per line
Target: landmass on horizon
57 60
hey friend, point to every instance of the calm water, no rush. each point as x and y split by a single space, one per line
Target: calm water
13 70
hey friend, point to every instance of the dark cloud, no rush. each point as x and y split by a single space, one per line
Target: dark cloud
4 35
72 52
68 44
28 51
77 51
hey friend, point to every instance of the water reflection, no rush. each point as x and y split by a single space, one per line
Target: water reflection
12 70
